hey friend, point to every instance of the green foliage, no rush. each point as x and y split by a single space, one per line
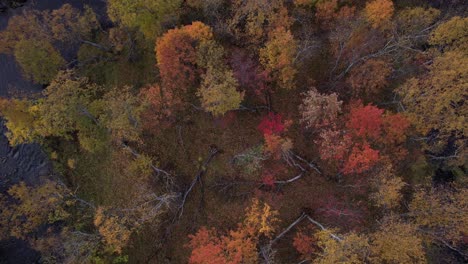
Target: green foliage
147 16
40 61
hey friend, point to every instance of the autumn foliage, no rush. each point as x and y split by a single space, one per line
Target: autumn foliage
233 132
176 54
239 245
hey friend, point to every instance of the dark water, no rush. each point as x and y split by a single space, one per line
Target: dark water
25 162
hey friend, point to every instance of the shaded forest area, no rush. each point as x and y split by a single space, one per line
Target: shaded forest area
258 131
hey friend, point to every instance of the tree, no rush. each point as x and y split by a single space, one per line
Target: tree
115 230
435 100
19 120
206 247
416 19
328 13
159 107
369 78
121 114
441 214
67 108
272 124
350 146
318 109
396 242
365 121
148 16
278 56
353 248
218 92
388 188
306 244
248 73
451 34
33 207
379 12
69 25
252 21
219 89
176 54
40 61
240 245
34 37
361 159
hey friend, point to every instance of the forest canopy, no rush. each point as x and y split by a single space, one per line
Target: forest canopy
258 131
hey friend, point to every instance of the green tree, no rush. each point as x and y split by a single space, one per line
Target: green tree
147 16
39 60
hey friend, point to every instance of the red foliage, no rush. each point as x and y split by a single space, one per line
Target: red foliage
395 127
268 179
272 124
176 56
206 247
361 159
305 244
365 121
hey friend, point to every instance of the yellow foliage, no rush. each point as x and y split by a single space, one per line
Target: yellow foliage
35 206
19 120
278 56
416 18
389 186
260 219
218 92
379 12
435 100
452 34
113 229
444 212
352 249
397 242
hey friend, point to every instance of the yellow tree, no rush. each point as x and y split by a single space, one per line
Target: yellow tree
435 100
396 242
218 91
278 56
451 34
388 188
32 207
352 248
442 214
379 12
19 120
